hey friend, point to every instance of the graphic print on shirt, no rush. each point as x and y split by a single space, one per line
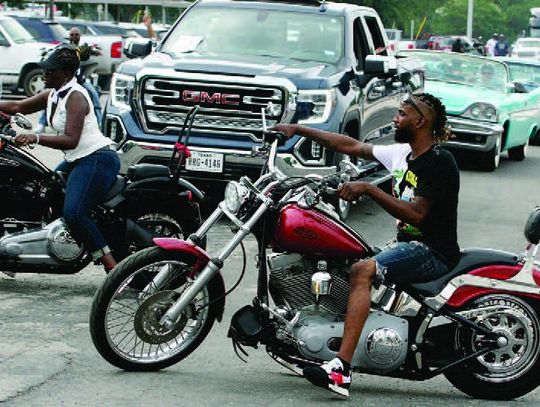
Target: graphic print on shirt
405 182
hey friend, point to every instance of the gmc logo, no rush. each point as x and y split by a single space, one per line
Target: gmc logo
217 98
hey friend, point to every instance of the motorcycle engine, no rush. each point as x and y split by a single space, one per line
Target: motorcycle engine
318 330
51 245
382 346
290 283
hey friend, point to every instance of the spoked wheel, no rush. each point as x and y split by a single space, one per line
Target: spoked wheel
513 368
127 308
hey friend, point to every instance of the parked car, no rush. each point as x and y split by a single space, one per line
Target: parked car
526 72
526 48
396 41
488 112
19 55
445 42
43 30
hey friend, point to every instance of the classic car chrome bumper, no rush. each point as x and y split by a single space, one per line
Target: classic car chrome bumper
473 135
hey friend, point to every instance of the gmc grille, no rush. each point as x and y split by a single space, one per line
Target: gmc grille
226 108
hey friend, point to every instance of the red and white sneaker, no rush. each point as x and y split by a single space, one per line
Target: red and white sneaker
331 376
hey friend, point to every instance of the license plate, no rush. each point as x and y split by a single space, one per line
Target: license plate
205 161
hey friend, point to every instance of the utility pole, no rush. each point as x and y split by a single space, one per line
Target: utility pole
51 9
470 18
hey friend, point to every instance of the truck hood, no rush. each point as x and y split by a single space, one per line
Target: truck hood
457 98
304 74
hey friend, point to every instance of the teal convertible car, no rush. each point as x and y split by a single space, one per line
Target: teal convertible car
488 113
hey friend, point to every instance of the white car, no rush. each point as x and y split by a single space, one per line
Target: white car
528 48
20 53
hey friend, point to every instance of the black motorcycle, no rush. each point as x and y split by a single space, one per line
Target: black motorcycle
150 201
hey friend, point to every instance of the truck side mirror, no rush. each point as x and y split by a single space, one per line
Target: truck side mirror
380 65
137 47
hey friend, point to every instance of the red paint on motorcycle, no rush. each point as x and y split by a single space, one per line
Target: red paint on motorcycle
178 245
308 231
498 272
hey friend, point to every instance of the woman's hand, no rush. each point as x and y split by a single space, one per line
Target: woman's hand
25 139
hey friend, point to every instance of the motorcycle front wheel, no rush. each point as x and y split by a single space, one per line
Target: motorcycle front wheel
509 371
125 313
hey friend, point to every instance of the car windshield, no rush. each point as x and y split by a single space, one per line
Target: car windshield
16 31
528 44
259 33
462 69
528 75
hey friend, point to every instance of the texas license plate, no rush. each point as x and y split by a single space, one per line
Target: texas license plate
205 161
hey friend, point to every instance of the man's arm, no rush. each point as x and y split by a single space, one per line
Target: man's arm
413 212
332 141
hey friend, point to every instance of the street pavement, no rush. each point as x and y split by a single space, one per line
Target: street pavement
47 357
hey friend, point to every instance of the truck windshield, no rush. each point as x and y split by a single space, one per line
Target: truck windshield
16 31
253 32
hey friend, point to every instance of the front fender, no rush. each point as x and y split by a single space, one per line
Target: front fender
203 258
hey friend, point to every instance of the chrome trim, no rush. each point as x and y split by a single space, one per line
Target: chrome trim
284 85
121 122
297 154
522 282
472 127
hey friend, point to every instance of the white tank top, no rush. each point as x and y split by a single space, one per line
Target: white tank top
92 139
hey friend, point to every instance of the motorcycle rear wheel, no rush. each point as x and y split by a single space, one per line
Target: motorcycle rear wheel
505 373
124 320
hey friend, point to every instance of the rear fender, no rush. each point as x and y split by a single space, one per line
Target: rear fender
203 258
465 294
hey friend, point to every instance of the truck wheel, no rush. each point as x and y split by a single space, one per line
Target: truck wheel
33 82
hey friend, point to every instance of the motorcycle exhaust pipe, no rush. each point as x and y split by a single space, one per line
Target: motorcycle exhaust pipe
138 235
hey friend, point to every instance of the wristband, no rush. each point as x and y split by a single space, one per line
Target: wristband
37 138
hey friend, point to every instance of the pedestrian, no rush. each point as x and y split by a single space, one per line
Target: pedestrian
490 45
501 47
90 163
424 201
458 46
147 21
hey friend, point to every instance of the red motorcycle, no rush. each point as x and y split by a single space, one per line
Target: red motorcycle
478 325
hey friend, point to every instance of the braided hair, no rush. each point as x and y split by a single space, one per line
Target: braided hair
441 132
68 56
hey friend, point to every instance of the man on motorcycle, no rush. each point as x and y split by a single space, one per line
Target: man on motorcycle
424 202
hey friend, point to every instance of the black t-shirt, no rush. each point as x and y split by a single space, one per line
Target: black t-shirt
435 176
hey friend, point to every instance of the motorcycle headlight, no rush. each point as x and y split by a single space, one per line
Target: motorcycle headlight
235 194
122 90
315 106
481 111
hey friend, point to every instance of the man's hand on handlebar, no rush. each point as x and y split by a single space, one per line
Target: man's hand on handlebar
25 139
351 191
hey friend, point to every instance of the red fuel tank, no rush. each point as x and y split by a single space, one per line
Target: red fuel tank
308 231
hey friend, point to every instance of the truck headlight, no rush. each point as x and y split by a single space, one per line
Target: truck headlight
481 111
315 106
122 90
235 194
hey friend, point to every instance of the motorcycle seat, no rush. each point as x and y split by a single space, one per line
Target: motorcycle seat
138 172
118 186
470 259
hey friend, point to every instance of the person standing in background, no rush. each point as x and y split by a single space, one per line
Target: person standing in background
490 45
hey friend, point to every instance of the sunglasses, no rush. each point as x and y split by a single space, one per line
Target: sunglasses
409 100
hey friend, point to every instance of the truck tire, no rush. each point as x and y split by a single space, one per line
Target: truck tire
33 82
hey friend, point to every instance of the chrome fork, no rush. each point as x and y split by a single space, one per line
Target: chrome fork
171 316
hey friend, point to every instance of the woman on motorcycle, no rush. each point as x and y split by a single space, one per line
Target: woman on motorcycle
89 159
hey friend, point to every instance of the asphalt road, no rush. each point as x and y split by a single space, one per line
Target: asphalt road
47 357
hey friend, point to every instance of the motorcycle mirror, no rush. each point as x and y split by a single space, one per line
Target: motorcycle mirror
22 121
349 168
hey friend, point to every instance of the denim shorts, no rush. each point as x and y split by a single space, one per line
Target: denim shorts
409 262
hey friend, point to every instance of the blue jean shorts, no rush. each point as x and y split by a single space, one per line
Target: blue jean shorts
409 262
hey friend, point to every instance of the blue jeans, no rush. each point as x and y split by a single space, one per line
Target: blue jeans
409 262
89 179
